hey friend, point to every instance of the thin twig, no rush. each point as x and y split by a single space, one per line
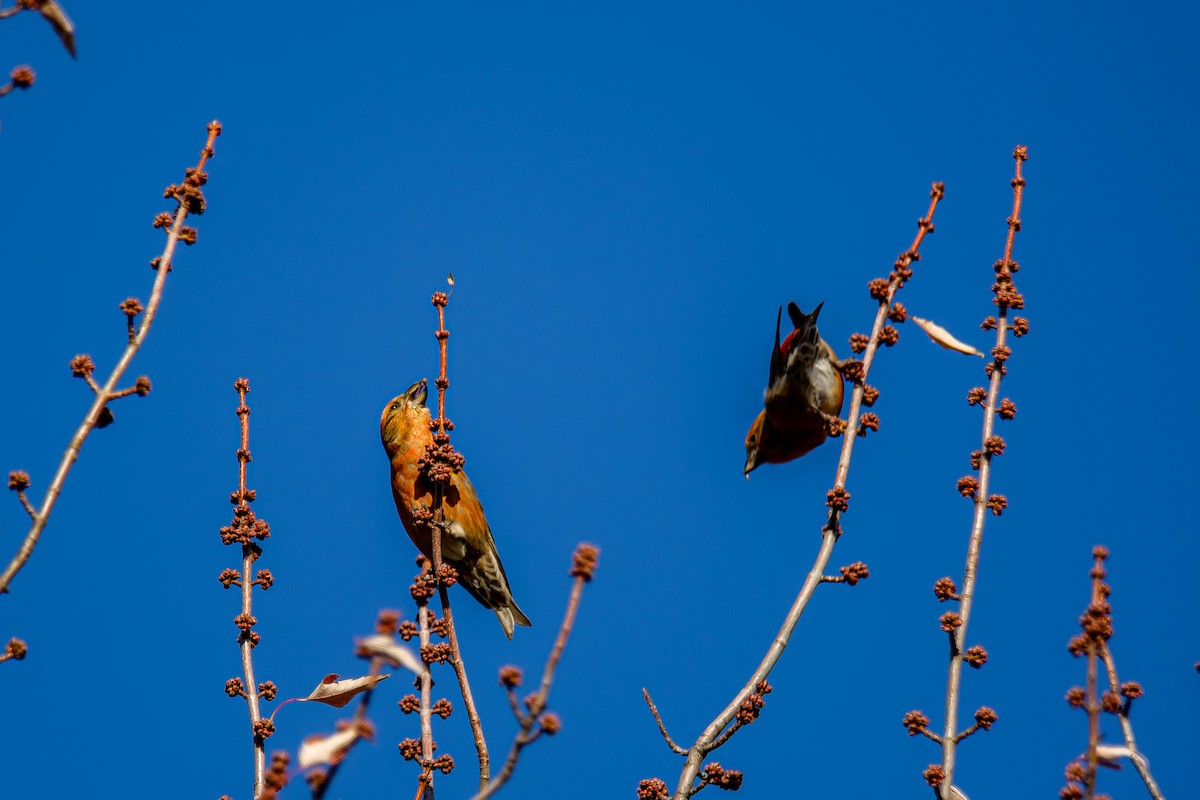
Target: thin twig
982 499
1135 755
662 727
249 555
426 681
537 703
829 533
1093 712
107 390
456 659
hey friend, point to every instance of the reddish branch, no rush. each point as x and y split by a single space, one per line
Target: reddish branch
884 292
440 299
248 530
190 200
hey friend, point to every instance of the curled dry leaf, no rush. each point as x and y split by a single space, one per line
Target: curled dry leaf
337 693
1111 752
326 749
388 648
61 23
942 337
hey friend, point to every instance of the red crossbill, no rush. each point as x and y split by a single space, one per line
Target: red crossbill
467 543
804 390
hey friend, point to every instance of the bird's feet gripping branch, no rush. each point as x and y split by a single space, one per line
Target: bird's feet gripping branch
803 396
425 465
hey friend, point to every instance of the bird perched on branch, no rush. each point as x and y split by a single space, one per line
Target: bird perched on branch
804 392
467 543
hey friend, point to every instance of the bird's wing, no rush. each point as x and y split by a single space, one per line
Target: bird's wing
777 361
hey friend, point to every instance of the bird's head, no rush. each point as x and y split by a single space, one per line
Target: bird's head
403 414
753 443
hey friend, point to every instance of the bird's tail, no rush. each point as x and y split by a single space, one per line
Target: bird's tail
510 616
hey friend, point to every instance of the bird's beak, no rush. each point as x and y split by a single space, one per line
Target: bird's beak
751 463
418 393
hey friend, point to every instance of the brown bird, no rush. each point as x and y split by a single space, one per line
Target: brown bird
804 391
467 543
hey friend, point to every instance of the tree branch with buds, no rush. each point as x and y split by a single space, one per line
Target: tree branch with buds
746 704
583 568
248 530
190 200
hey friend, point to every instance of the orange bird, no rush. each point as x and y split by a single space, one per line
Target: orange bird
467 543
804 390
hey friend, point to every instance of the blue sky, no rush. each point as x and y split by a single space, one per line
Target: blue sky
625 195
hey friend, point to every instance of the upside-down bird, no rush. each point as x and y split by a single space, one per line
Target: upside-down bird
804 391
467 543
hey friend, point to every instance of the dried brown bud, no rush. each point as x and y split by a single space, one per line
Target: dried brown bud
878 288
945 589
584 561
1131 689
511 677
915 722
18 480
986 717
16 649
652 789
997 503
22 77
853 573
838 499
975 656
867 422
82 366
949 621
550 723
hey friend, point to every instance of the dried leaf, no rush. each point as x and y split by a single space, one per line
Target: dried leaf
943 337
337 693
1112 752
450 279
326 749
58 20
388 648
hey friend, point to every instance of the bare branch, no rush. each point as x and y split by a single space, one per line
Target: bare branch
837 501
1006 297
190 200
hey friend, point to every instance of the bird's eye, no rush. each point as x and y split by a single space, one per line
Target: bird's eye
395 407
